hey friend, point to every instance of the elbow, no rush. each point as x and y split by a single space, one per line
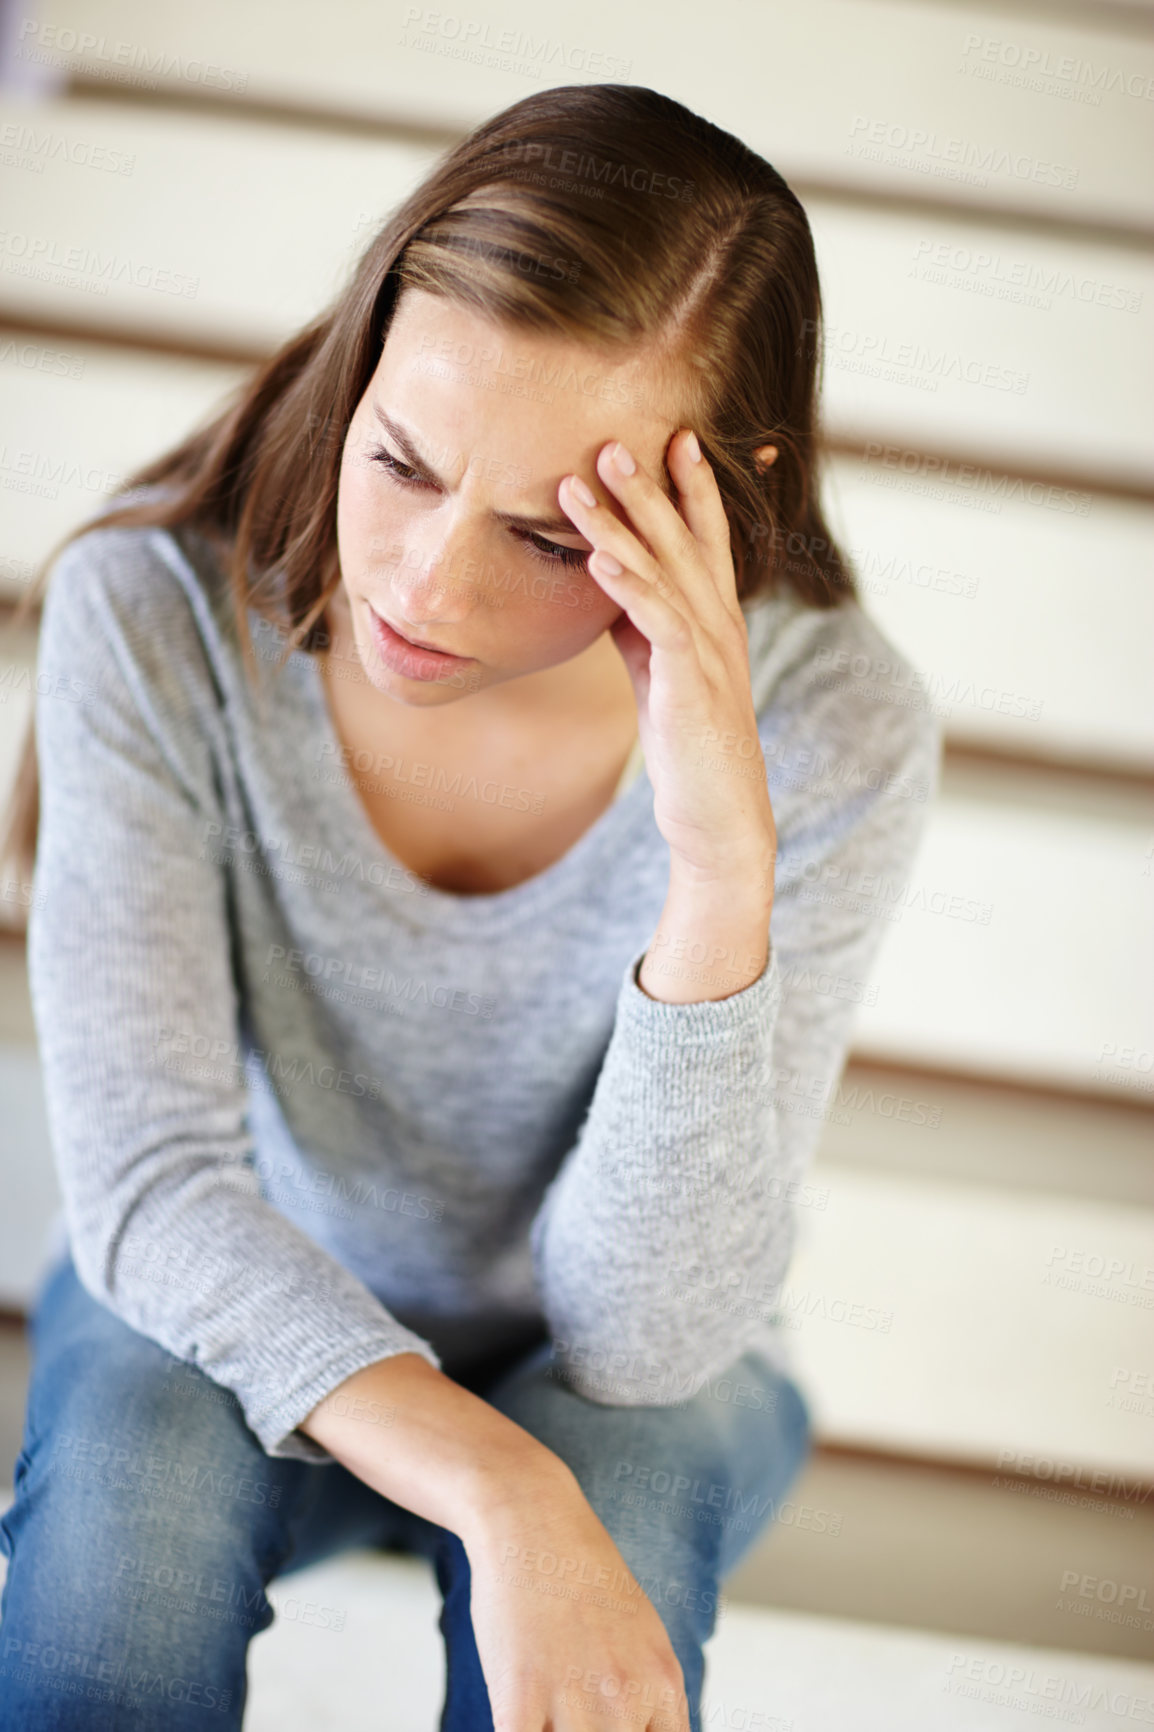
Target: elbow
656 1375
101 1249
93 1259
613 1375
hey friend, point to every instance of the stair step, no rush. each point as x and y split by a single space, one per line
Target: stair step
76 418
998 963
777 1671
962 1323
913 357
940 1319
984 582
359 1631
989 607
971 110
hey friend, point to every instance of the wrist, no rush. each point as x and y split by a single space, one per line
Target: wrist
425 1442
712 940
744 879
516 1495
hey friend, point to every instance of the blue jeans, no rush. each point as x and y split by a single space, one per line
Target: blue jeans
148 1520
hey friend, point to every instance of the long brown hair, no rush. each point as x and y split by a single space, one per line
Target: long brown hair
605 213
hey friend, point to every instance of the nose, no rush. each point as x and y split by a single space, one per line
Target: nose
437 581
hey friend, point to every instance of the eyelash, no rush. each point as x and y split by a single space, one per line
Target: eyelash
546 552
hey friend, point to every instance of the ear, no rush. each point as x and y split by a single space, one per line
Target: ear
765 456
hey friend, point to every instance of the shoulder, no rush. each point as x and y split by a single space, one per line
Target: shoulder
129 571
144 606
831 684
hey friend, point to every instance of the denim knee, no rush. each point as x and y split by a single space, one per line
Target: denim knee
146 1522
721 1460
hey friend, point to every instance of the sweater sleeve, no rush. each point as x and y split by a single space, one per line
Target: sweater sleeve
129 937
661 1245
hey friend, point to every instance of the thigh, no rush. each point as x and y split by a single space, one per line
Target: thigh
147 1522
716 1466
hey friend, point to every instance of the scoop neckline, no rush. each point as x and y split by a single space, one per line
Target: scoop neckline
560 878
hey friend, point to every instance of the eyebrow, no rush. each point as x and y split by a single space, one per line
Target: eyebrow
510 519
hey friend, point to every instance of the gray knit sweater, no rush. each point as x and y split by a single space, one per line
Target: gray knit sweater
309 1111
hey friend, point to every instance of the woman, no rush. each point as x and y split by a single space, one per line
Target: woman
437 1011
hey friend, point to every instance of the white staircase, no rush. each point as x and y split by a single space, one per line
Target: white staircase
984 1179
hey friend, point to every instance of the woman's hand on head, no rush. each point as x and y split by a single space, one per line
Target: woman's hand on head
684 640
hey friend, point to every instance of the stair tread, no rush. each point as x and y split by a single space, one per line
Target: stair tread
961 129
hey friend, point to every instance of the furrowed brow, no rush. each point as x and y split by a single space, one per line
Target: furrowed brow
556 525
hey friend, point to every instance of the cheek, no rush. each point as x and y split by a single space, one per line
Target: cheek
370 525
351 505
565 609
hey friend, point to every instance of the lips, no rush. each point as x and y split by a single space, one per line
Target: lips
417 643
388 633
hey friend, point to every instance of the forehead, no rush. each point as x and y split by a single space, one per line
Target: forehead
457 375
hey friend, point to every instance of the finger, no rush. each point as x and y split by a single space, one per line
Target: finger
703 508
657 518
615 541
649 602
674 1718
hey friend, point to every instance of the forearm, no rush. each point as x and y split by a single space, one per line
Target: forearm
424 1442
712 939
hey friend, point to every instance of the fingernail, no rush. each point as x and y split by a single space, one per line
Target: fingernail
583 491
623 460
693 448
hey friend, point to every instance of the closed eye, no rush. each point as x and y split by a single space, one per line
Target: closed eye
398 470
549 552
